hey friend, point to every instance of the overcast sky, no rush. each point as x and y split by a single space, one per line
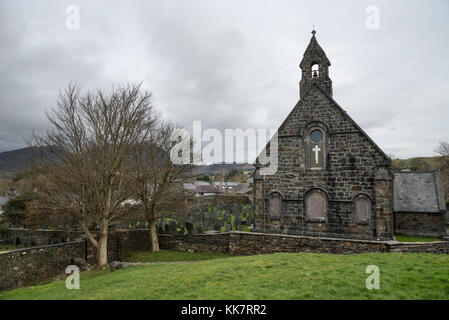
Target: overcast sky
233 64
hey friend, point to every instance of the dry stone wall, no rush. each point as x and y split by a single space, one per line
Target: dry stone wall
31 265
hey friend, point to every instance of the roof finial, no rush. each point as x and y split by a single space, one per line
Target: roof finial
313 31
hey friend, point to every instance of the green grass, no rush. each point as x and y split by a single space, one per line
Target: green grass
165 255
402 238
273 276
7 247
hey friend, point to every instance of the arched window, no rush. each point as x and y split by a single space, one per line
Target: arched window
316 153
275 204
315 70
363 209
316 206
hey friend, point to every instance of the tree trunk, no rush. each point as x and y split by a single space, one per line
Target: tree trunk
154 242
102 248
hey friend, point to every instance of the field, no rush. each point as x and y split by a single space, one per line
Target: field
271 276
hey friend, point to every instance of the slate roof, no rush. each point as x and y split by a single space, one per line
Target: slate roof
208 189
242 188
418 192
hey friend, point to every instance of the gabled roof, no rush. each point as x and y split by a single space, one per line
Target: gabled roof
341 110
352 120
418 192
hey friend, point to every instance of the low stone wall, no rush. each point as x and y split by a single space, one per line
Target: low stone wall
31 265
248 243
438 247
420 224
38 237
196 242
256 243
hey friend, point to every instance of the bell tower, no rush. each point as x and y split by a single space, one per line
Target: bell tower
315 68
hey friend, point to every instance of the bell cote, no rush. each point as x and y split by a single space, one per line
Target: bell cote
315 68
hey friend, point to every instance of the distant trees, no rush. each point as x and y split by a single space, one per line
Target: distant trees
443 150
234 174
15 210
204 178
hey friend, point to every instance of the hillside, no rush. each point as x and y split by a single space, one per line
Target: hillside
417 164
16 160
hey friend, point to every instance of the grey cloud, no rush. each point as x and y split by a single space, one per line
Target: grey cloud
232 64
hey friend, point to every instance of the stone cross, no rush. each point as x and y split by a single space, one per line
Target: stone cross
316 149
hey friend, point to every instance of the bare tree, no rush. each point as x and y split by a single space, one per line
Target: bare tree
443 150
156 178
92 137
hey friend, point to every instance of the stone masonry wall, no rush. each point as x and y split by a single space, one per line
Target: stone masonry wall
420 224
248 243
29 266
352 161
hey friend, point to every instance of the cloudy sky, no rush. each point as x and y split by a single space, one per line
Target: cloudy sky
233 64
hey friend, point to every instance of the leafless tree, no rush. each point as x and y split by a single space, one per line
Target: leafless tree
92 138
443 150
157 179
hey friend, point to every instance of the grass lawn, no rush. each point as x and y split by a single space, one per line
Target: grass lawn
7 247
166 255
271 276
402 238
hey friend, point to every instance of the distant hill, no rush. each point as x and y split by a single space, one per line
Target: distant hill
417 164
16 160
12 161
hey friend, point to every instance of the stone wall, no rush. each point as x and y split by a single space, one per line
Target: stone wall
420 224
438 247
197 242
259 243
248 243
31 265
38 237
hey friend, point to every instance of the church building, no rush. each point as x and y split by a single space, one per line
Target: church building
332 180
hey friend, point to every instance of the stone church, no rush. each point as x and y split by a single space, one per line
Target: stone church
332 179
